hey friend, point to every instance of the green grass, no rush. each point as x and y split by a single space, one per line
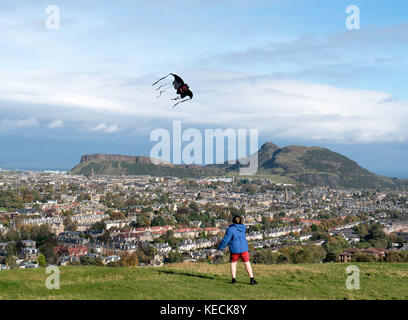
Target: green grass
206 281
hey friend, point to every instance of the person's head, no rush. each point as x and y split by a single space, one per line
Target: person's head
237 220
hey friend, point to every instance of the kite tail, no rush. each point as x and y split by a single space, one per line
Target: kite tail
160 93
179 103
166 86
161 79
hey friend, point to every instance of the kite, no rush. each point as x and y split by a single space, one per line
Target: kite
181 87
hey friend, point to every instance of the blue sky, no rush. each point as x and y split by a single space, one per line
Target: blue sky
288 68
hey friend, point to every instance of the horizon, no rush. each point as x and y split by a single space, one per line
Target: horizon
292 70
67 169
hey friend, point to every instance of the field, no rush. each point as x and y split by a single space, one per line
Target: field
208 281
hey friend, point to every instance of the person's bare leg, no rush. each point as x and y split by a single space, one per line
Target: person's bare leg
233 269
249 269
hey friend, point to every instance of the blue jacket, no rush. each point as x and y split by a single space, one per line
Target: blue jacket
235 238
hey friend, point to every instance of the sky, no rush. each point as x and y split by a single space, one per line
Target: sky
289 68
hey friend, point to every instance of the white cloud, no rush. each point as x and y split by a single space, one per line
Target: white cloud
277 106
58 123
371 43
103 127
15 124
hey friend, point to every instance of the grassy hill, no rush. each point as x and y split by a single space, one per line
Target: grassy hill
128 168
291 164
317 166
207 281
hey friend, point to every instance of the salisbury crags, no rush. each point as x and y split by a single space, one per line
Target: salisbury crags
114 157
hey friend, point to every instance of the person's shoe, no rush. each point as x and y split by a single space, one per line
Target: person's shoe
233 280
252 281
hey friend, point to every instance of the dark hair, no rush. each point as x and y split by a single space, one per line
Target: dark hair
237 220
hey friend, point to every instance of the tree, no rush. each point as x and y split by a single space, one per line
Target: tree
175 257
11 249
12 235
130 260
297 221
143 221
265 257
105 237
47 249
394 256
41 261
69 224
193 206
377 237
67 213
97 226
283 259
182 218
10 260
169 238
158 221
85 260
334 246
363 257
254 228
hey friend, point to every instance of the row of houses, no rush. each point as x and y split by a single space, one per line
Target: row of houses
4 267
278 232
273 242
205 254
188 245
26 253
81 219
151 233
347 234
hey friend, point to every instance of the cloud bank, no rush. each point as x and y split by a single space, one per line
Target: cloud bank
278 107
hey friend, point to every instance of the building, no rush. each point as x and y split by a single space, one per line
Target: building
30 254
345 257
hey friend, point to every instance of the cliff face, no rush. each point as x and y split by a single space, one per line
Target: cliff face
114 157
308 165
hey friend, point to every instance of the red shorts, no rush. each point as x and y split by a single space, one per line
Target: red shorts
243 255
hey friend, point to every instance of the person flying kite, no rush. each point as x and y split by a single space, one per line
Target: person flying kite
235 238
181 87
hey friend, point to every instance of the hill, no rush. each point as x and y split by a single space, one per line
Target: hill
208 281
301 164
111 164
317 166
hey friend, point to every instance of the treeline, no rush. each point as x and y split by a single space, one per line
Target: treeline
14 199
296 254
371 235
314 254
41 234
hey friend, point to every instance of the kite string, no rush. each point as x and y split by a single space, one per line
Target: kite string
161 79
179 103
